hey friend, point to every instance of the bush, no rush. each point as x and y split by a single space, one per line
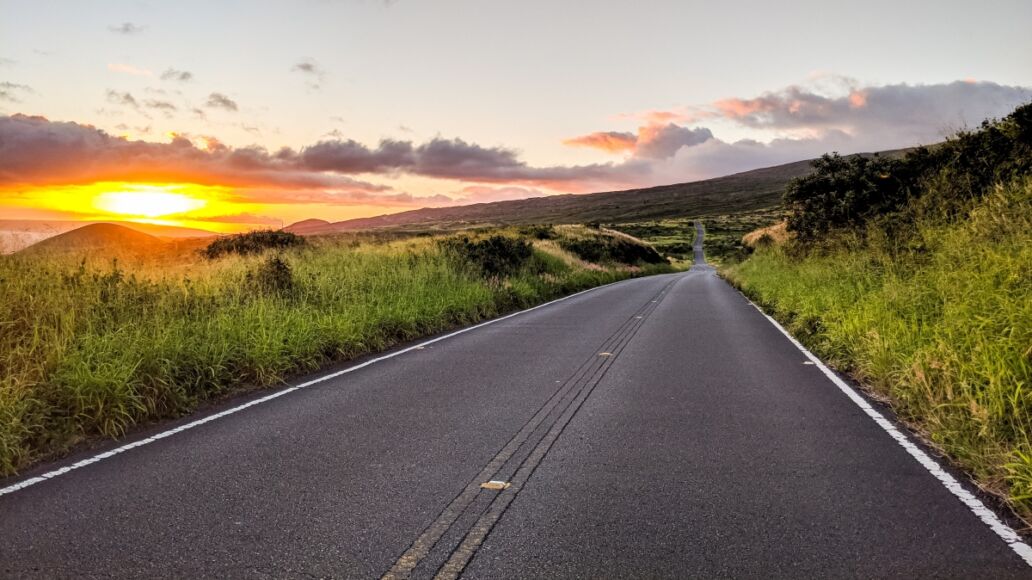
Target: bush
612 249
272 276
495 256
253 243
545 232
941 182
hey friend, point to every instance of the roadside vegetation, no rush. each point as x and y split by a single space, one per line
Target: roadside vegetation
915 276
91 347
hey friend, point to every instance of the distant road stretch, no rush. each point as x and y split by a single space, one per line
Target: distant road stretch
657 427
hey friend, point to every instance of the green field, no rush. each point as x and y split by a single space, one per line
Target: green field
93 347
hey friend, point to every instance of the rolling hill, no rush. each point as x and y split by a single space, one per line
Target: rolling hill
18 234
110 239
756 189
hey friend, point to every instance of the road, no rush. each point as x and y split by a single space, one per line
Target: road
657 427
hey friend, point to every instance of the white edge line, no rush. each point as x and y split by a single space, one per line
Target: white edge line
186 426
1005 532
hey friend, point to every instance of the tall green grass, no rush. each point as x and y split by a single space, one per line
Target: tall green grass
941 326
93 348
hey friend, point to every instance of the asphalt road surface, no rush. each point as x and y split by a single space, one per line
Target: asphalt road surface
657 427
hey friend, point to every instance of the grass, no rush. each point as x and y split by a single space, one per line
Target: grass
92 348
940 326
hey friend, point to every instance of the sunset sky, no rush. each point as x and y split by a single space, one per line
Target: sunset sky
236 114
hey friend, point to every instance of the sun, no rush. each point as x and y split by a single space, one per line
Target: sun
147 202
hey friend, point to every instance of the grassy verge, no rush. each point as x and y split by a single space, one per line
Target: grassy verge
942 327
91 348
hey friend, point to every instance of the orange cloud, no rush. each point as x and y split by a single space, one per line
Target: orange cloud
608 141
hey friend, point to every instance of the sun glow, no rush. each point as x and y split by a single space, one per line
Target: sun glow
148 202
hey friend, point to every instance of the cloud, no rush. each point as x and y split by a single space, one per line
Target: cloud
172 74
904 114
7 61
164 106
663 141
128 69
127 28
653 141
12 92
220 101
608 141
787 125
36 151
311 68
126 99
832 113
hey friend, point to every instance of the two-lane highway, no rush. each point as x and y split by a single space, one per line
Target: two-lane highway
660 426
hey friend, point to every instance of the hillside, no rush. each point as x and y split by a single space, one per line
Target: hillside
102 237
756 189
19 234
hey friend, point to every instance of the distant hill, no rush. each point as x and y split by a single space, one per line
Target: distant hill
756 189
18 234
109 239
307 226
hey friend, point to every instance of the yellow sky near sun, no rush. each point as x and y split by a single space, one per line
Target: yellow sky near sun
184 205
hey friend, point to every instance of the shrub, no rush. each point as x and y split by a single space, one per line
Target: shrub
545 232
612 249
496 255
272 276
941 181
253 243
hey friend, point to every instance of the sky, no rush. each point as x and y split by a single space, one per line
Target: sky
230 115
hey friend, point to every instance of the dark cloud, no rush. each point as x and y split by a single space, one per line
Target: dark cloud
220 101
311 69
34 150
177 75
12 92
307 67
160 105
125 98
127 28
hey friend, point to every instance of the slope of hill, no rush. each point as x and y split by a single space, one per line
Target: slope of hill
307 226
756 189
102 237
18 234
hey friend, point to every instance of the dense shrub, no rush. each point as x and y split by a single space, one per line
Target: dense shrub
495 255
544 232
611 249
271 276
252 243
941 181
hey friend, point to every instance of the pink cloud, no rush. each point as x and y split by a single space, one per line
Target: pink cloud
608 141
